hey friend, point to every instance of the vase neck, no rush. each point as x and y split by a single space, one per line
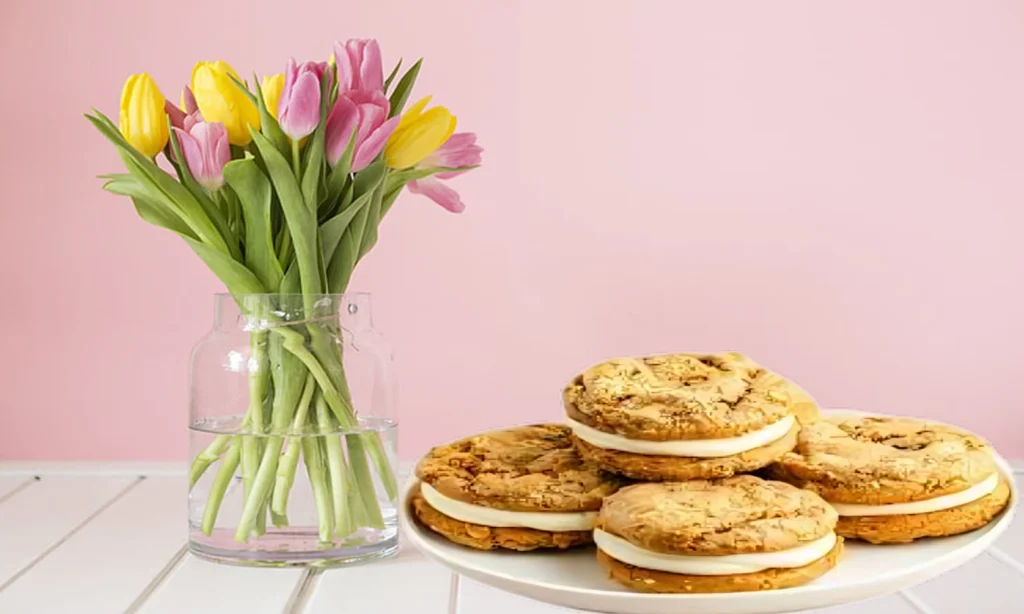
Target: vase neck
259 311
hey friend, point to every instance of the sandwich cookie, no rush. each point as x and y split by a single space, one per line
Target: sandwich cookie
520 488
894 480
710 536
684 416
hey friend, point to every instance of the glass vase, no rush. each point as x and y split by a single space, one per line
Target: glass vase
293 433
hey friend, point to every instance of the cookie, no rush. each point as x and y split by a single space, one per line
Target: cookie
483 537
740 533
894 480
519 488
684 416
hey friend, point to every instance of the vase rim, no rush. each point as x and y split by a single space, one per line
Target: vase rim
292 294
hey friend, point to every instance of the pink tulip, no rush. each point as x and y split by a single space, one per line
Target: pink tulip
368 111
176 115
459 150
189 100
206 151
359 66
298 110
187 118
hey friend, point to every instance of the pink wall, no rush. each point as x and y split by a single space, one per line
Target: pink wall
835 188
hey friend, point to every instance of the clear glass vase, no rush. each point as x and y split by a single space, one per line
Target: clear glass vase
293 433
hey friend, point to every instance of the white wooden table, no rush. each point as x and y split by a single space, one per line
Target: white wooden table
111 538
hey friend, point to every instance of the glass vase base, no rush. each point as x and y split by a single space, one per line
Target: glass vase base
292 548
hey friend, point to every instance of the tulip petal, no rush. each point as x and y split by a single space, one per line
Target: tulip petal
371 70
372 145
272 87
299 107
340 124
188 100
177 115
412 113
439 193
191 151
143 115
221 100
460 140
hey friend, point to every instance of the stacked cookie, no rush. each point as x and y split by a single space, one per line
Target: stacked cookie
684 416
690 428
689 424
520 488
894 480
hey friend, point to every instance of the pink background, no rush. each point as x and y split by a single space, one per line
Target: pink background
836 189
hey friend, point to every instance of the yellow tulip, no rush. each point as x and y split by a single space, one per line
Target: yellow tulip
143 121
220 100
418 134
272 87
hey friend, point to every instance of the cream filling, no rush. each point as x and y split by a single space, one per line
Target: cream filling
729 564
695 448
944 502
490 517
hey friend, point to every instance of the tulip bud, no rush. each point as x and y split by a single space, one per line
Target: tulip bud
418 134
220 100
143 120
206 151
366 112
359 66
272 87
299 104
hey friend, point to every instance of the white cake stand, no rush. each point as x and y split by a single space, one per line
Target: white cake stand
574 579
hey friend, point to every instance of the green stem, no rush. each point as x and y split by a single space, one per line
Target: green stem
336 468
319 485
296 161
204 459
364 480
290 459
220 486
259 491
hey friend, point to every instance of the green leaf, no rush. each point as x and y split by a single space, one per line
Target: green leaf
339 176
315 151
346 255
389 199
333 229
153 213
255 195
237 278
209 207
150 210
367 179
300 220
400 178
268 123
404 88
369 238
161 186
245 88
391 77
290 284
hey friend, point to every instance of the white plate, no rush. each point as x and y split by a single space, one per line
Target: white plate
574 579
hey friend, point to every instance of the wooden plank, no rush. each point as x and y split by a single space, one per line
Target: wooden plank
104 566
201 586
406 583
982 585
477 598
11 484
1012 541
40 516
93 468
889 604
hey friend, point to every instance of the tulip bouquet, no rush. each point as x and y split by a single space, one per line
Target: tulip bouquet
279 186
